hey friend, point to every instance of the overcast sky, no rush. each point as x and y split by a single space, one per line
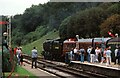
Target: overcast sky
13 7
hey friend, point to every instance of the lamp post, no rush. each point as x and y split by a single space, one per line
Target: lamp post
77 36
5 41
77 44
5 34
117 39
116 34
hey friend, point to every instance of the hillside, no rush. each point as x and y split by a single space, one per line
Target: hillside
88 20
37 20
38 43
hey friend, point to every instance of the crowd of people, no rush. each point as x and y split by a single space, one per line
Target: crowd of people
91 55
19 55
94 55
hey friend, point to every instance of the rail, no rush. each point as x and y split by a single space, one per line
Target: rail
55 67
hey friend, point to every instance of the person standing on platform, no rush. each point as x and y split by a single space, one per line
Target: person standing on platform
18 51
82 51
100 55
116 50
76 54
92 55
67 60
104 56
21 59
88 53
97 51
15 49
108 56
34 57
118 55
71 54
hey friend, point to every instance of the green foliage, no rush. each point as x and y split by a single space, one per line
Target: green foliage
31 18
83 19
86 23
38 43
32 36
111 24
106 5
83 22
23 72
114 9
63 28
17 39
49 15
6 64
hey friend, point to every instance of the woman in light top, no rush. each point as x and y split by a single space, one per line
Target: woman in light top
108 56
97 51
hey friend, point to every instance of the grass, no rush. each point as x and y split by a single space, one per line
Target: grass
22 73
39 43
27 50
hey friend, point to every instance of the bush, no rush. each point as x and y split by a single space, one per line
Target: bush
32 36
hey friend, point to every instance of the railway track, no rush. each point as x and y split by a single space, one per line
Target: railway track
63 70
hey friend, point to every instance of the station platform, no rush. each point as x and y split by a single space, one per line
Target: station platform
37 72
109 70
111 66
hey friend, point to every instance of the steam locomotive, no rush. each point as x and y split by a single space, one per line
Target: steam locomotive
56 49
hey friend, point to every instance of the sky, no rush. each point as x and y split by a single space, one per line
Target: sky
13 7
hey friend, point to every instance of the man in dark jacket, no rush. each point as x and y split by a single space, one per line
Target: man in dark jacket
92 55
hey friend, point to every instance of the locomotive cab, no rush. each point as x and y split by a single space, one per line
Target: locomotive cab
53 49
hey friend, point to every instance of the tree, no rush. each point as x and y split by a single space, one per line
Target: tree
31 18
114 9
51 15
84 23
111 24
63 28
